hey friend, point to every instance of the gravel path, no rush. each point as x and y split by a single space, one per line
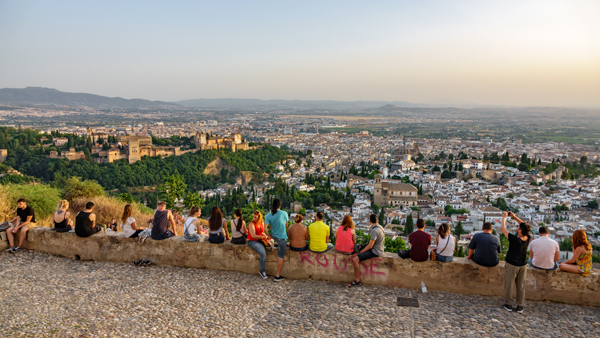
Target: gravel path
47 296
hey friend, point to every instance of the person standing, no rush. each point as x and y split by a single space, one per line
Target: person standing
85 222
485 247
419 243
515 269
374 248
62 223
277 220
24 221
160 224
544 252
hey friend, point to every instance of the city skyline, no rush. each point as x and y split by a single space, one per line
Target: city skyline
527 53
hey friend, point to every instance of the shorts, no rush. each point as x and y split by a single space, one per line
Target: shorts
238 240
299 249
444 259
366 255
216 238
281 246
329 247
166 235
193 237
28 226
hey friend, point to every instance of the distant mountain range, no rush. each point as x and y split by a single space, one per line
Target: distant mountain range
49 96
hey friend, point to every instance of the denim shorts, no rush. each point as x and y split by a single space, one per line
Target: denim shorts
366 255
281 246
216 238
444 259
533 266
191 237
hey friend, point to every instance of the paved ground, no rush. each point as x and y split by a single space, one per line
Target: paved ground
47 296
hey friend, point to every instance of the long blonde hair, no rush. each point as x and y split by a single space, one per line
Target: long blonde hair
127 211
347 223
61 204
259 217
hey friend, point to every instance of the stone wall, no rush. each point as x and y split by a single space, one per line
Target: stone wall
460 276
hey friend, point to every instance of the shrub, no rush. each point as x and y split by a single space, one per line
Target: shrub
109 207
42 198
73 188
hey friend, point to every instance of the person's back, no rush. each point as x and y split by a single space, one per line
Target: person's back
160 225
85 222
297 232
277 222
544 251
61 221
419 243
343 241
318 233
486 248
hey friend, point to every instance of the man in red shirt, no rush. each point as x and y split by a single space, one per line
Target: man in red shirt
419 243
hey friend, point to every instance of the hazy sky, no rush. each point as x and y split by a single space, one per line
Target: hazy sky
489 52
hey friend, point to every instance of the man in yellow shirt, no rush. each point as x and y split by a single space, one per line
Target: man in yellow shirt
318 234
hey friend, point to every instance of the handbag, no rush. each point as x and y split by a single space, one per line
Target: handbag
404 254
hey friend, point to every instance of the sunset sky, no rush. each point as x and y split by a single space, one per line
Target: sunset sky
522 53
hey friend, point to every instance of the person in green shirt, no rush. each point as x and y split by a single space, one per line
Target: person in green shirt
318 234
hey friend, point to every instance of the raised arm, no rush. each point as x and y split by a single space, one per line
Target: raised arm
503 225
511 214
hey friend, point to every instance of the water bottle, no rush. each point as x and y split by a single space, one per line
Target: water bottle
423 288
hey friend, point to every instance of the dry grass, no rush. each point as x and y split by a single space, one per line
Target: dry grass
6 210
107 208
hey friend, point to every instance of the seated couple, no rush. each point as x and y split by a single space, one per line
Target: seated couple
318 233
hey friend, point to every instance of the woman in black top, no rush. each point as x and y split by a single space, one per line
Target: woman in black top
515 268
85 222
62 214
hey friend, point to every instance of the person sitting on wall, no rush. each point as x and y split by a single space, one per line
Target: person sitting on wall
160 225
239 231
298 235
318 234
485 247
419 242
62 222
445 244
218 227
85 222
374 248
128 225
345 236
544 252
581 262
23 222
192 226
112 225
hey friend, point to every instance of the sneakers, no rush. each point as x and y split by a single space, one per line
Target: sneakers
519 309
508 307
13 249
263 274
278 278
10 249
142 262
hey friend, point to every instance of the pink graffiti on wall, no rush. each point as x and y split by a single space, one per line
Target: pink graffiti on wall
367 267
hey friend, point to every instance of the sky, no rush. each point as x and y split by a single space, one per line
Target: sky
518 53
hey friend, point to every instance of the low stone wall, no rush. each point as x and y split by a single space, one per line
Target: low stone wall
460 276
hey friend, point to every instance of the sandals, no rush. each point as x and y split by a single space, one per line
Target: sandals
354 283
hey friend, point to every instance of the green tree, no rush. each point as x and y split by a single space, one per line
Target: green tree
382 217
593 204
125 197
74 188
458 229
410 226
172 190
193 199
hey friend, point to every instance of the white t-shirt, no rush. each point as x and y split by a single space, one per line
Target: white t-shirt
189 225
127 230
544 250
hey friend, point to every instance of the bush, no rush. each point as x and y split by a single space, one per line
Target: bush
42 198
109 207
73 188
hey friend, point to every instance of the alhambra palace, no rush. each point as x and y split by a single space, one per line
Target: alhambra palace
134 147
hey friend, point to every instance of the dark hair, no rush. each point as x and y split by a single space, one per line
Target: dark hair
420 223
320 215
193 211
127 211
443 229
216 219
299 218
21 200
373 218
543 230
89 205
487 226
525 229
238 213
276 205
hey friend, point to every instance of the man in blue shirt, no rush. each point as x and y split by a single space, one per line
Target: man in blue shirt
277 220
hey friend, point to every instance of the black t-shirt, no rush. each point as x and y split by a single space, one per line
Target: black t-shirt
487 248
517 250
23 213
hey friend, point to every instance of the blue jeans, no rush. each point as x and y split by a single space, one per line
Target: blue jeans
216 238
281 246
262 252
533 266
444 259
191 237
329 247
366 255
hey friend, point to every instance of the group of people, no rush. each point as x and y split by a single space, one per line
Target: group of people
484 247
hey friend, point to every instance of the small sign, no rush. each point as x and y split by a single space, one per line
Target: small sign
411 302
